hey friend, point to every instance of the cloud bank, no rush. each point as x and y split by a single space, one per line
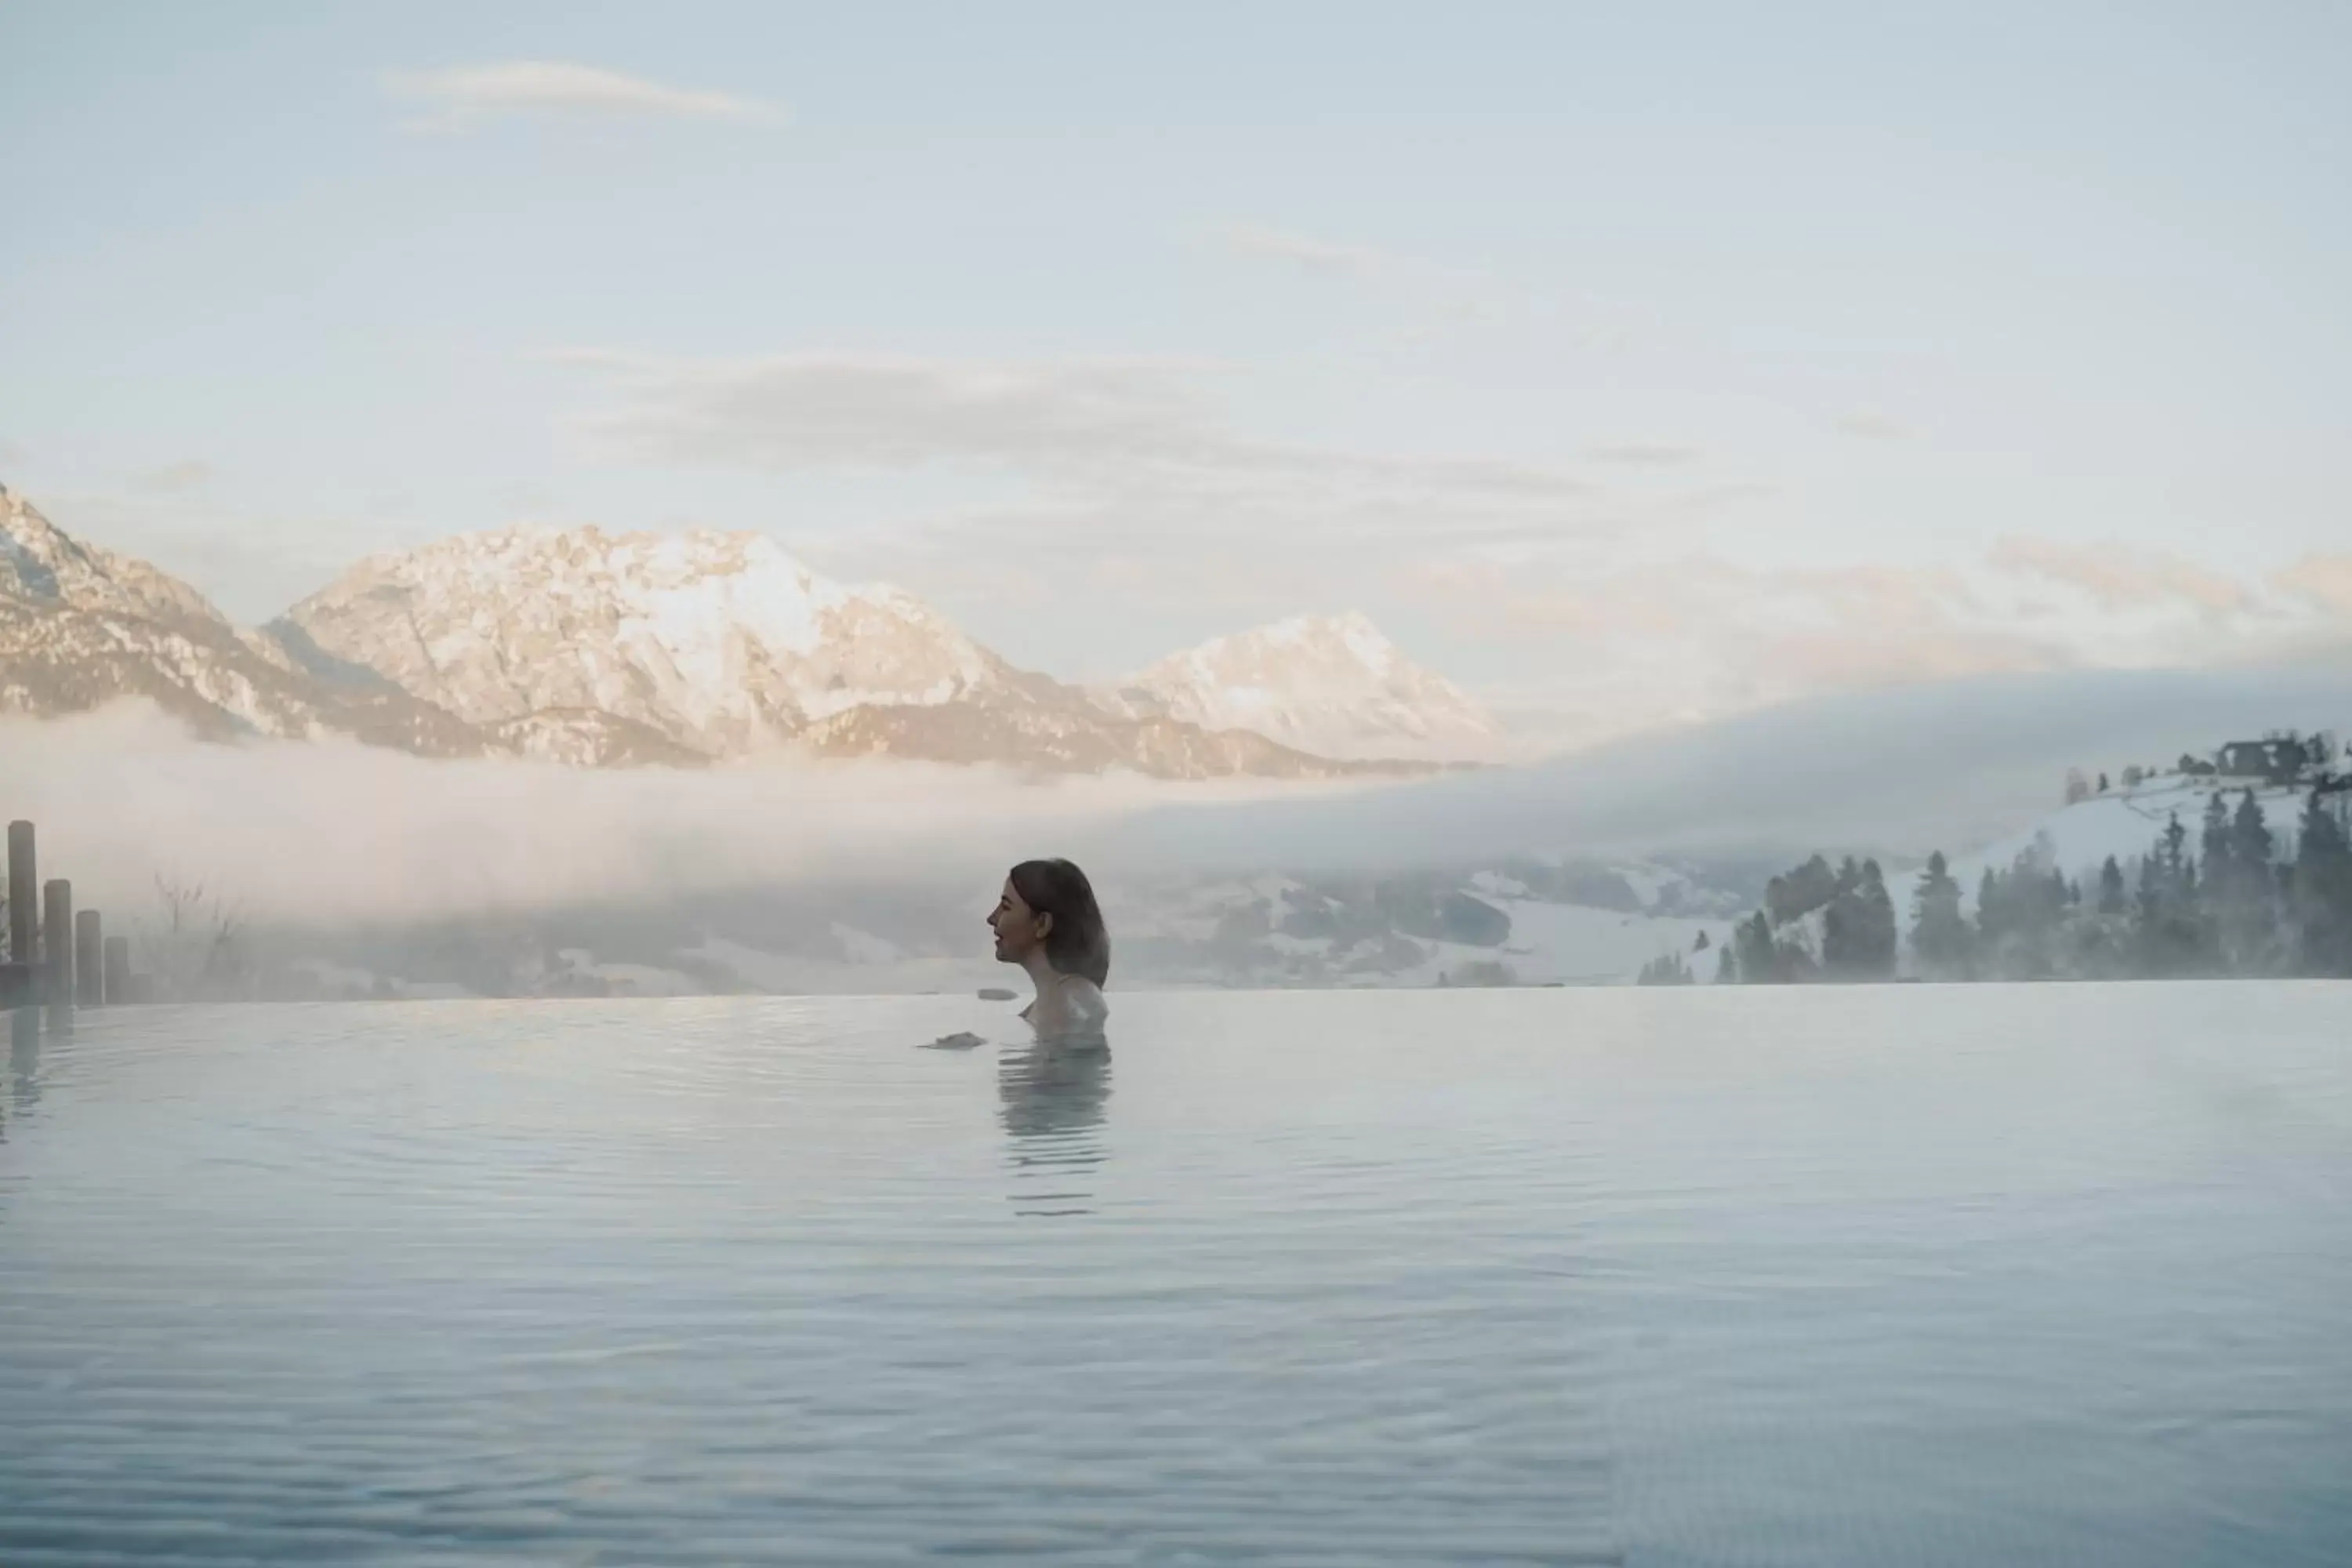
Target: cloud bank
458 98
335 834
1950 765
328 831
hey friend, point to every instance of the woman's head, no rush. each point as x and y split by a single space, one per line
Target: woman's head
1048 906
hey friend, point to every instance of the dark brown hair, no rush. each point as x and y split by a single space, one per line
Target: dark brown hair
1076 943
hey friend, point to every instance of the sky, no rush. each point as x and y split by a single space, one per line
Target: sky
1628 364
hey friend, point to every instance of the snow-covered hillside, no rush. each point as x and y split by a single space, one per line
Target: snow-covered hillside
1334 686
2124 823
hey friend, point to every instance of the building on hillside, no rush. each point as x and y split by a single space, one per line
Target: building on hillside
2281 757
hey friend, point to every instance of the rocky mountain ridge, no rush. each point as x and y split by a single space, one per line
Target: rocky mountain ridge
1333 685
81 627
596 649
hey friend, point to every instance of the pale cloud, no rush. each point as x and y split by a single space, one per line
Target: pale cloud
2118 577
2323 581
1866 425
1701 637
460 97
174 478
1307 252
1125 447
1647 454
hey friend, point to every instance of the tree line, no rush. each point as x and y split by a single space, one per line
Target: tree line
2219 900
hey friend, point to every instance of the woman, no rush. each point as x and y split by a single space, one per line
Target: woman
1047 922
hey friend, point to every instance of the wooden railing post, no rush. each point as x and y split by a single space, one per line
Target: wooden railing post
24 895
90 966
58 942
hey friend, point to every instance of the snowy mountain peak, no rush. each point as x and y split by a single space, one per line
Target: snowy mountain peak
721 642
1332 685
1319 636
595 649
42 563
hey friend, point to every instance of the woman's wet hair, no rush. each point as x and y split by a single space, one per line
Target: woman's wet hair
1076 943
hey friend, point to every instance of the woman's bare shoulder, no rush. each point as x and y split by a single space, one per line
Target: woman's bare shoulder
1084 997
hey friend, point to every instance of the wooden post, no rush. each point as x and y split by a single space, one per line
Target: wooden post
24 895
90 967
117 969
57 941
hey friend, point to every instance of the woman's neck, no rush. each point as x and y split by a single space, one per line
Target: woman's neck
1042 973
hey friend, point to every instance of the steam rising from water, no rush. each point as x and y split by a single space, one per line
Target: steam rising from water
334 833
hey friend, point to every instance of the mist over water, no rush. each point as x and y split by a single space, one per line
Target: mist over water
333 833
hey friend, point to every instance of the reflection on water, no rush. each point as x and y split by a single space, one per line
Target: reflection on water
24 1057
1053 1095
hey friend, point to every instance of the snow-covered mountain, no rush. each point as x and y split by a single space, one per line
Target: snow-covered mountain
81 627
596 649
720 642
722 645
1334 686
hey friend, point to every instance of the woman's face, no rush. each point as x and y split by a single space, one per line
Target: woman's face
1019 929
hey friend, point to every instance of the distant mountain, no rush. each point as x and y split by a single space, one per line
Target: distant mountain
721 645
1068 734
1334 686
596 649
81 627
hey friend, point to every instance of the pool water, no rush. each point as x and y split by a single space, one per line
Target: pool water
1810 1275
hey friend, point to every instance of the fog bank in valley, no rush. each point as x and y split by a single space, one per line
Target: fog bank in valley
875 874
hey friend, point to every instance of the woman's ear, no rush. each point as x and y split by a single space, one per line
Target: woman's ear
1044 926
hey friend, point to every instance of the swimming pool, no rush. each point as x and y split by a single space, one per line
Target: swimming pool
1913 1274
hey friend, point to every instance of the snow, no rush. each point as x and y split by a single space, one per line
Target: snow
1573 943
1333 686
2125 822
723 642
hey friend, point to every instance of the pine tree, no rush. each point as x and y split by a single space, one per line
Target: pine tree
2111 887
1875 950
1858 940
2175 837
1726 968
2323 890
1939 936
2249 834
2245 902
2221 874
1760 959
2167 926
